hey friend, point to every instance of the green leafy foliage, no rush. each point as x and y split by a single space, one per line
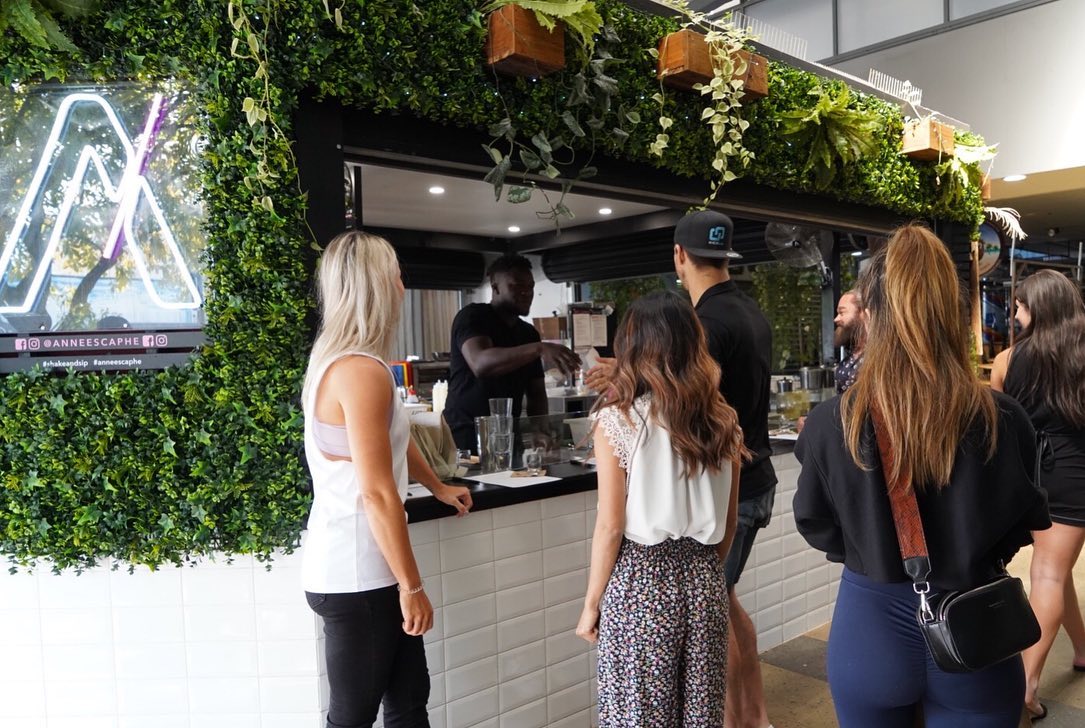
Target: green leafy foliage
622 293
34 20
834 131
791 300
960 175
723 106
156 467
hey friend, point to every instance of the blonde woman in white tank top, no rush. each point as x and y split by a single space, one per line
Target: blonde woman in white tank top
358 570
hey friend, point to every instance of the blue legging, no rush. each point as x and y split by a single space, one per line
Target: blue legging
879 667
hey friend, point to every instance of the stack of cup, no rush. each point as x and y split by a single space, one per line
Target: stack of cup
495 436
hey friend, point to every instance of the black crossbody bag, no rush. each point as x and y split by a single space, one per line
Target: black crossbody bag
966 630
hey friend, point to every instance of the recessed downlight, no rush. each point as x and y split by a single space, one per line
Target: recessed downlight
514 228
605 211
1014 178
437 190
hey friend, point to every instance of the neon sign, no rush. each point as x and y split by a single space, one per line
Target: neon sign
125 194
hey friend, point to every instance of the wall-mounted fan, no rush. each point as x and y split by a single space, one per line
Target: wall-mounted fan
801 247
868 243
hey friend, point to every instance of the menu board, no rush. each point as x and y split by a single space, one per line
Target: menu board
598 329
582 330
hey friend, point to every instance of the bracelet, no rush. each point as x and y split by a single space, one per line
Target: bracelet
420 587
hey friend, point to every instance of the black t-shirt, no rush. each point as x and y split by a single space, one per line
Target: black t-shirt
468 396
740 339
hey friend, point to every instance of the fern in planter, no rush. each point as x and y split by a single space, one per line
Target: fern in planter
836 133
580 16
960 174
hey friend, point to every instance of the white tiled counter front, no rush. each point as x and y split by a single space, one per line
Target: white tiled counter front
235 645
209 646
788 588
508 585
511 587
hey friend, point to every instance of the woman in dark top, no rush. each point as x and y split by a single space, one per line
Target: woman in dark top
1045 372
970 454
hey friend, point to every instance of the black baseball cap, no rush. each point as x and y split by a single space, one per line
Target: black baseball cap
706 233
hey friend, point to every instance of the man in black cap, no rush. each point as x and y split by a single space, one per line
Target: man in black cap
740 339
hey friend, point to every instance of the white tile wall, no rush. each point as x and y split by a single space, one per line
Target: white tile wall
787 587
234 644
171 648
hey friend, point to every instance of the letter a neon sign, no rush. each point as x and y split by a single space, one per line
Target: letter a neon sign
125 194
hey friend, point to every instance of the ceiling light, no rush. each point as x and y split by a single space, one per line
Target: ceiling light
436 190
1013 178
514 228
857 254
605 211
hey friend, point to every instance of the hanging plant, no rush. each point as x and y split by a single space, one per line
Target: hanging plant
723 95
589 116
961 172
580 16
835 132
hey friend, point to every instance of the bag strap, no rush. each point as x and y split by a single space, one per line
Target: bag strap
902 501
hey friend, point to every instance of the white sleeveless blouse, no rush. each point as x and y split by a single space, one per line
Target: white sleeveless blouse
339 553
661 502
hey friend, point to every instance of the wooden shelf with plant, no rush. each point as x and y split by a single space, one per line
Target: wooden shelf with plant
927 139
527 37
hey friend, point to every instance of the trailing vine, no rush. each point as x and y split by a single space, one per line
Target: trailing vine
723 112
589 110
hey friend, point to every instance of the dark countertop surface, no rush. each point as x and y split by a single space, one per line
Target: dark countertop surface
574 479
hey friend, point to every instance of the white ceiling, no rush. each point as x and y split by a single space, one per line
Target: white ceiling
1052 205
399 198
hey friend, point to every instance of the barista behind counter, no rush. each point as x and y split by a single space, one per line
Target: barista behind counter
497 354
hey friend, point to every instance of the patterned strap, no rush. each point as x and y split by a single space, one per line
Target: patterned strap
909 526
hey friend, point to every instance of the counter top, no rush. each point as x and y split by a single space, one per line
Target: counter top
574 479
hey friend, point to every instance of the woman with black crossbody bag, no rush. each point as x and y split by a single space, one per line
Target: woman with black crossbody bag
920 448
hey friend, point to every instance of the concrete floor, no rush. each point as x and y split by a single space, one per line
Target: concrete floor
798 696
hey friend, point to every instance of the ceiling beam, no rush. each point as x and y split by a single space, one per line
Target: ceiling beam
408 142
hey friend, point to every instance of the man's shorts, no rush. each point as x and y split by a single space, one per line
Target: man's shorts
753 515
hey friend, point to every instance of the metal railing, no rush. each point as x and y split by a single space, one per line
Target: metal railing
903 90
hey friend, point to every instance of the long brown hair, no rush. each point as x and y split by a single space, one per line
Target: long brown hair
661 351
916 369
1051 351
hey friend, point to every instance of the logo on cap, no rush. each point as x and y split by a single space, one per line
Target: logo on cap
717 234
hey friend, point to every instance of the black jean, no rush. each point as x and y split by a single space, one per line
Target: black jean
371 660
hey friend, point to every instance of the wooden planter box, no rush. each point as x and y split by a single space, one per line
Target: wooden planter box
927 139
684 61
518 46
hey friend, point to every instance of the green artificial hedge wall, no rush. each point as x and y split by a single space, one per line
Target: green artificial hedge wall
156 467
